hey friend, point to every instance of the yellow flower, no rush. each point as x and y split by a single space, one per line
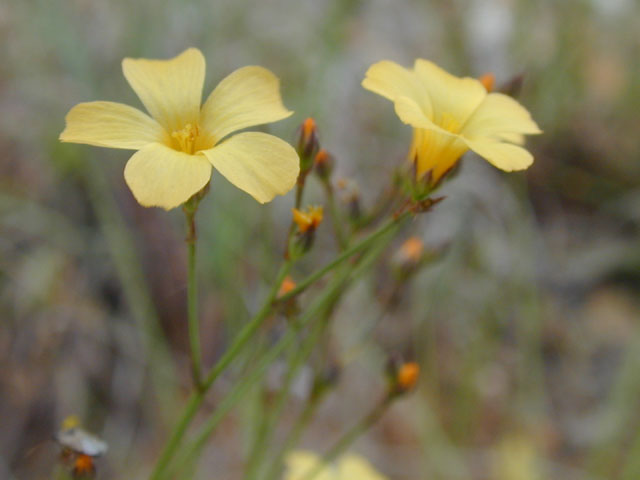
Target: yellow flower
349 467
451 115
182 140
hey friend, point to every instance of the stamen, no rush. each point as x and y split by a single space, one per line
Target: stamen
186 137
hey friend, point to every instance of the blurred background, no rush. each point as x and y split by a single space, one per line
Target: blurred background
525 322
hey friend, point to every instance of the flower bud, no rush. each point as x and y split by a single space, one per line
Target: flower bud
403 376
288 307
410 252
488 80
83 467
351 198
307 144
324 163
306 224
287 285
408 376
513 86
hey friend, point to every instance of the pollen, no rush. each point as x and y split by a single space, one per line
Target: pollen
186 138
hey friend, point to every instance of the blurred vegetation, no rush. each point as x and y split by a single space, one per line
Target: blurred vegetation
525 323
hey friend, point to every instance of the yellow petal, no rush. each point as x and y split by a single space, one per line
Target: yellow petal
505 156
260 164
112 125
391 81
450 95
497 115
171 90
161 177
355 467
300 463
435 152
510 137
247 97
410 113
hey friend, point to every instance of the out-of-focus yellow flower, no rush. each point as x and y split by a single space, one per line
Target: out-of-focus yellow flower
348 467
182 140
451 115
516 459
307 221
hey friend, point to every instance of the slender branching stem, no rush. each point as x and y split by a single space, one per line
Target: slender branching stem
192 300
350 436
348 253
335 215
196 398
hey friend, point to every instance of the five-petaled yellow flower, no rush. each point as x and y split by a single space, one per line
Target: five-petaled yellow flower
349 467
182 140
451 115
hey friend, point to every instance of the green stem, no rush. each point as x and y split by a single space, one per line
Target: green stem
335 216
192 302
246 333
197 397
348 438
361 245
300 354
294 435
299 191
329 295
191 452
307 414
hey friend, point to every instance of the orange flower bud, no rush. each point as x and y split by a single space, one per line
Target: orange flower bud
83 466
307 141
323 164
287 285
407 376
488 80
411 250
308 220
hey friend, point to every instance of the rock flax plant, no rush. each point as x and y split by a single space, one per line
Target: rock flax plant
181 140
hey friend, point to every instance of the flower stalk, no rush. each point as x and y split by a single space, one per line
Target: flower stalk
190 208
350 436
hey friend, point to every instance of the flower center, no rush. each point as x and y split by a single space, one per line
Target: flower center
186 137
449 123
437 152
